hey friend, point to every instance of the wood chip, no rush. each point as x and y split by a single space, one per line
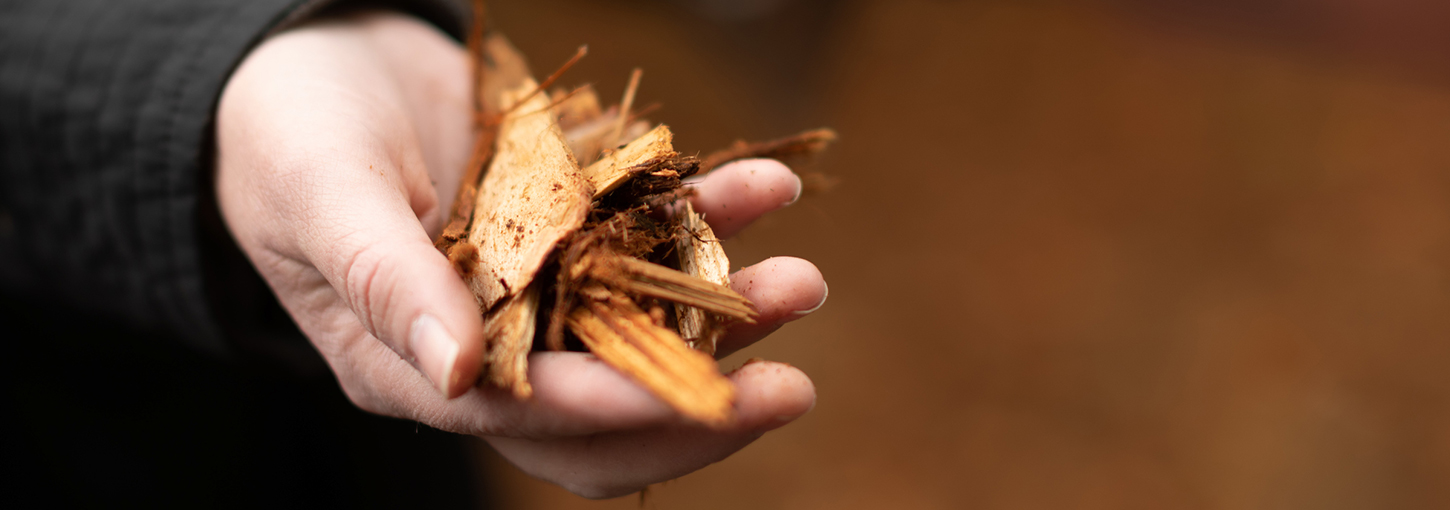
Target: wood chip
505 69
532 196
508 337
616 167
616 330
701 256
656 281
499 65
525 205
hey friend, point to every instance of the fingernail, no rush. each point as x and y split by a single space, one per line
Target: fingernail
818 306
435 350
799 188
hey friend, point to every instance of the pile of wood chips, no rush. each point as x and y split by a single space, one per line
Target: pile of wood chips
572 228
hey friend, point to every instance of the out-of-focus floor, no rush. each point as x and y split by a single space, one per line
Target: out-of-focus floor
1145 254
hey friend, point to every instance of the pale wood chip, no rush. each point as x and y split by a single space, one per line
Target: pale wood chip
656 281
525 195
616 167
701 256
532 196
626 338
501 66
508 335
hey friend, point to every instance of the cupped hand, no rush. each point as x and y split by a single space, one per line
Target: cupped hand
339 144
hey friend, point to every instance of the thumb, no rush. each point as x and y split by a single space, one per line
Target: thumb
373 250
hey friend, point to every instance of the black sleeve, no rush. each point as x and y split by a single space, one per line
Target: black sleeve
105 127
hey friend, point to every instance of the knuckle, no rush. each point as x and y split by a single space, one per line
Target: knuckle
368 287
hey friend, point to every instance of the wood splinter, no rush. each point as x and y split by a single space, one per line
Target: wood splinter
701 256
619 332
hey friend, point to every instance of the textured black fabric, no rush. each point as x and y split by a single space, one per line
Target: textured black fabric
110 251
106 105
105 114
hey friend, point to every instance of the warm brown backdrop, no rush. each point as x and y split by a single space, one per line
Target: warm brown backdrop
1133 254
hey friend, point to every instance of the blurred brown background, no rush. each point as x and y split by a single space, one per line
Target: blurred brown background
1132 254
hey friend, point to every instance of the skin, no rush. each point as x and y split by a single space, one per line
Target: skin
340 144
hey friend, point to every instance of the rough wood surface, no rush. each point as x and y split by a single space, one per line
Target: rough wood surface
497 64
701 256
620 333
532 196
616 167
653 280
508 337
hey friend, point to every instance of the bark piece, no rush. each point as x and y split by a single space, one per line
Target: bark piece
807 143
532 197
616 167
653 280
617 331
508 334
701 256
497 64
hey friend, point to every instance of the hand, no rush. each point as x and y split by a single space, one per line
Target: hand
340 144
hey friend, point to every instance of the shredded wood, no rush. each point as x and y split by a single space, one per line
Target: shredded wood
645 153
620 333
497 66
573 216
509 336
505 69
653 280
702 257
